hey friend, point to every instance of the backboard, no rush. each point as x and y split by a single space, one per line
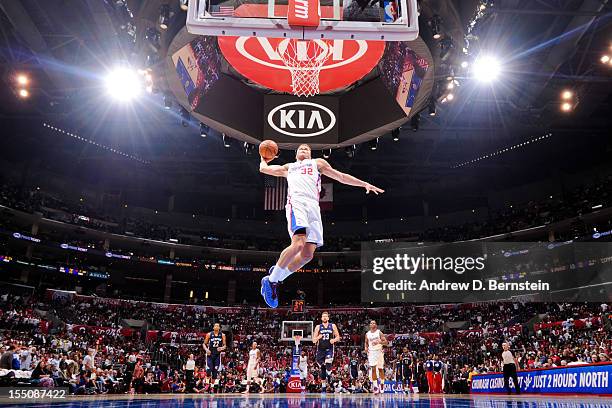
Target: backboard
387 20
291 328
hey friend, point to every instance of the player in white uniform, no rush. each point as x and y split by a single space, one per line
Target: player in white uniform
303 366
303 213
253 365
374 342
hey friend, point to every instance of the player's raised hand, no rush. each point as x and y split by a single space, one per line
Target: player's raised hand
369 187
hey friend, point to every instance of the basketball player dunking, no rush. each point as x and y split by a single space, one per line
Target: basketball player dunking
325 336
374 342
303 213
214 344
252 365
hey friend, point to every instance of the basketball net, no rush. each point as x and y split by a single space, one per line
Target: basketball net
304 58
296 340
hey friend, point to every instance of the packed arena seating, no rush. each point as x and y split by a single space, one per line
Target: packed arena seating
46 340
516 217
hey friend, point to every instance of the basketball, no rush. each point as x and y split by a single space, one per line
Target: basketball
268 149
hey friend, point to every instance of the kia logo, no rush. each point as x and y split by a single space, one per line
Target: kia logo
301 119
294 384
259 59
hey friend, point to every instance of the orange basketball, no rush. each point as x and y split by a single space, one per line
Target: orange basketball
268 149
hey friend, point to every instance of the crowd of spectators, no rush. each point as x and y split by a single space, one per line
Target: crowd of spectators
39 346
516 217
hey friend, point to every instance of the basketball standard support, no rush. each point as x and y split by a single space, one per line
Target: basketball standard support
295 383
398 20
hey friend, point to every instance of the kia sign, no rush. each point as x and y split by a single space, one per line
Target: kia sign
301 119
259 59
287 120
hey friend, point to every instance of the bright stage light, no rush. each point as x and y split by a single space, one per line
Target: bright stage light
24 93
124 84
486 69
605 59
567 94
22 79
566 107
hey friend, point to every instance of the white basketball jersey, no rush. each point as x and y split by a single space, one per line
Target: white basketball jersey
303 363
253 356
374 336
303 180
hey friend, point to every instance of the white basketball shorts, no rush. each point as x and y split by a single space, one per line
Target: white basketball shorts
252 371
376 358
305 213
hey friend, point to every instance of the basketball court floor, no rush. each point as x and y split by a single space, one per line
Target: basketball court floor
320 401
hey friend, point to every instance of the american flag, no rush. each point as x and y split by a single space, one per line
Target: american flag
275 193
222 11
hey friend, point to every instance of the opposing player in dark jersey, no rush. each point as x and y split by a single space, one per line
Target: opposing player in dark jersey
354 366
325 336
404 369
214 345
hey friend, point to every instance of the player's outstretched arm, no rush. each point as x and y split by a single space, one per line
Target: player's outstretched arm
326 169
273 170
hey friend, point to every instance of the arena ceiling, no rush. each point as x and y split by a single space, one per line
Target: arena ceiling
549 46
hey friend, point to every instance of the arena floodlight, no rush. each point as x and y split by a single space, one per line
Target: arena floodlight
22 79
486 68
124 84
395 135
435 24
184 4
164 16
204 129
23 93
432 107
567 94
374 144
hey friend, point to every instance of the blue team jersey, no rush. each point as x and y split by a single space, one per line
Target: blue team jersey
429 365
216 340
327 334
